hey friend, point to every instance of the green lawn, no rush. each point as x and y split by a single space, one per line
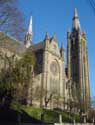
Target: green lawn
33 115
49 115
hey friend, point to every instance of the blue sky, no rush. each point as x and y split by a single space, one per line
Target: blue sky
55 16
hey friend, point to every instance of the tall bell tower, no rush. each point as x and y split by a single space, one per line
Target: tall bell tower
77 63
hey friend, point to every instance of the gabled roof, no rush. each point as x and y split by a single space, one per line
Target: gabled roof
11 44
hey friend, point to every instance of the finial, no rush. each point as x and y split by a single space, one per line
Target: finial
46 36
54 37
75 12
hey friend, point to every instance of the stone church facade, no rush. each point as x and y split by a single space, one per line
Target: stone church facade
51 76
56 80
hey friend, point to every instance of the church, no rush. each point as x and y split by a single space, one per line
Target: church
60 85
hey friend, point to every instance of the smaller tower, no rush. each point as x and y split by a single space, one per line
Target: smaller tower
28 36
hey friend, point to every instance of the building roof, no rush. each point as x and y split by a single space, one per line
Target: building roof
15 46
38 46
11 44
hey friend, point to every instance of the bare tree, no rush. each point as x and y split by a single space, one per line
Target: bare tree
48 99
11 19
46 96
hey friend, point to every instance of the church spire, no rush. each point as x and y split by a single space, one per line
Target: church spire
76 22
30 26
75 12
28 37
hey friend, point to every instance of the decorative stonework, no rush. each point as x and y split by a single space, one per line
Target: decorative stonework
54 68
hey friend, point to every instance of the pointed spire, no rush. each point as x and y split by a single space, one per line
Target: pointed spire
28 37
75 13
76 22
46 36
30 26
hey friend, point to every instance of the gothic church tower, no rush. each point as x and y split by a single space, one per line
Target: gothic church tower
77 63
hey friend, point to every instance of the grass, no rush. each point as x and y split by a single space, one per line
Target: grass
34 112
31 114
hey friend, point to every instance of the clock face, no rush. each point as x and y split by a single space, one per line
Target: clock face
54 68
